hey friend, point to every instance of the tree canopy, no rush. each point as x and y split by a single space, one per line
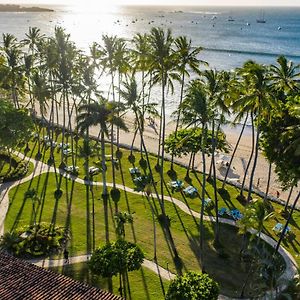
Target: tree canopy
193 286
116 258
15 125
281 141
189 141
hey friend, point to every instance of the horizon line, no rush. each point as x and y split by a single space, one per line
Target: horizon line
159 5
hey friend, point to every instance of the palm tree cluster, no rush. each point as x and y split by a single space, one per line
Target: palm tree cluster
51 75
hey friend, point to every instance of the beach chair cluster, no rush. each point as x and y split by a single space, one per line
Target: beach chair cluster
234 213
93 170
176 185
190 191
278 228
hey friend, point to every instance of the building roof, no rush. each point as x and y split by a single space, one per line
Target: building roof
21 280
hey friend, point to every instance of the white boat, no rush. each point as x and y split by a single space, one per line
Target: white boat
261 19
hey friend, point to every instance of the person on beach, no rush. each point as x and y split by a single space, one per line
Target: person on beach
258 181
277 194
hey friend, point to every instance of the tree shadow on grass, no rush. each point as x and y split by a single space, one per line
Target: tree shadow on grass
37 189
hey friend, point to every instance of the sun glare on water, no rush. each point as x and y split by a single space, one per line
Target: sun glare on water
89 20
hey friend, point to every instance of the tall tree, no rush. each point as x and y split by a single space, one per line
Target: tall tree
102 114
197 111
162 65
187 60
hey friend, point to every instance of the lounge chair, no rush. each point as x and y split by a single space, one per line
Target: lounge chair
93 170
63 146
279 227
207 202
134 171
177 184
67 152
236 214
72 169
190 190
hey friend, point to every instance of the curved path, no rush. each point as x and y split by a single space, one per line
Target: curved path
40 168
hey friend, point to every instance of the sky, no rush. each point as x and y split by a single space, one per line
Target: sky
161 2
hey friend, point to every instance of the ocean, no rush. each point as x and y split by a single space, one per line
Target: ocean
227 44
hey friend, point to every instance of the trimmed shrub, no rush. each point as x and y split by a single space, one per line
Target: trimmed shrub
193 286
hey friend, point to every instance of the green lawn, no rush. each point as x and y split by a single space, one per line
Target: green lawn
73 211
143 283
123 177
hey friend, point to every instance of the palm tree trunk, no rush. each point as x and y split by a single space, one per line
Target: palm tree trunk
213 164
187 175
250 157
160 134
178 117
286 224
163 150
234 151
103 163
203 142
254 165
133 140
104 192
288 199
268 182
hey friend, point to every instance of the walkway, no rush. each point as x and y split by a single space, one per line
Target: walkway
40 168
46 263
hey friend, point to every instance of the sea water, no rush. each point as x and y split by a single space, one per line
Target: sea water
227 44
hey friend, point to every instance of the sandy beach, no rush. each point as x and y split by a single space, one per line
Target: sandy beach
239 163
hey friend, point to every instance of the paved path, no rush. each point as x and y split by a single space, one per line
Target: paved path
46 263
40 168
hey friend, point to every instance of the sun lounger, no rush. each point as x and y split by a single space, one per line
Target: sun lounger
223 211
190 190
72 169
177 184
63 145
134 171
51 144
67 152
279 227
93 170
207 202
236 214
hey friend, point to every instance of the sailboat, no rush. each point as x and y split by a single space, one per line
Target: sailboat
262 18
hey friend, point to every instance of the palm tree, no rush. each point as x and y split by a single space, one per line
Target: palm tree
134 101
213 85
140 61
197 111
284 76
187 58
33 39
258 101
12 54
100 113
121 61
108 61
163 68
